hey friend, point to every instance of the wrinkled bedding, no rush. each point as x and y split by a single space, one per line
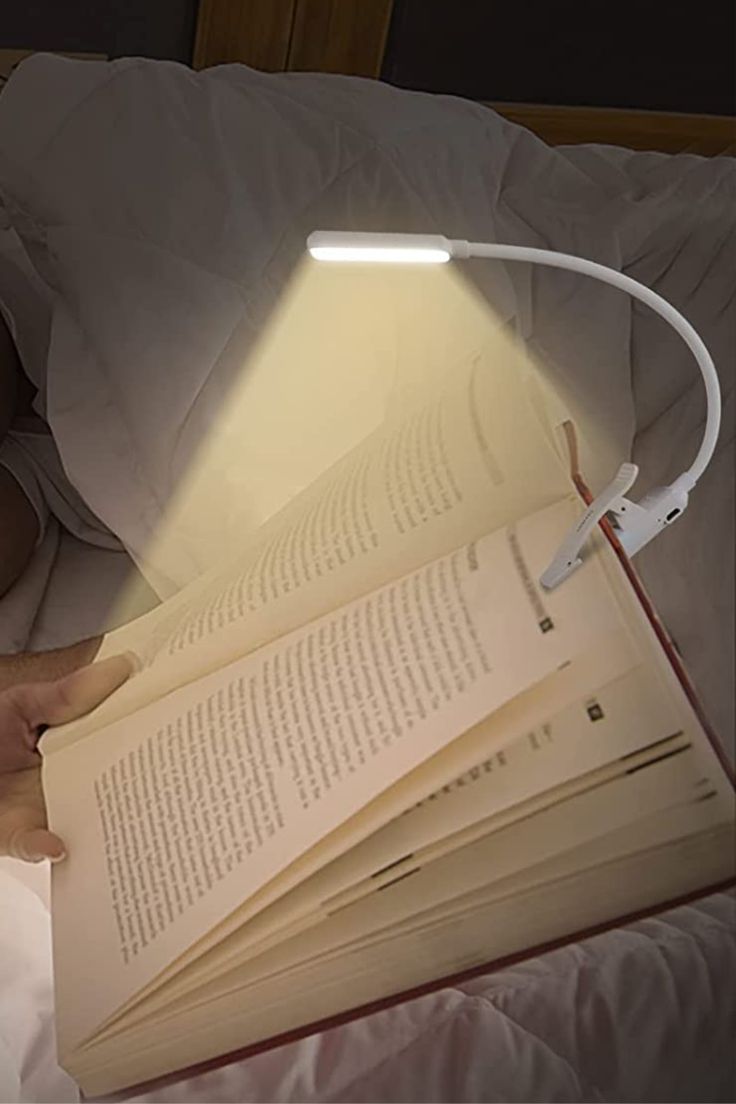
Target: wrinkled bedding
168 212
641 1014
69 592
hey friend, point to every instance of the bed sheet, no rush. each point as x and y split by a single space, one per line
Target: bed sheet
70 591
644 1013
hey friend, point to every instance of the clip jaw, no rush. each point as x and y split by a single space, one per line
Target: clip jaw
636 523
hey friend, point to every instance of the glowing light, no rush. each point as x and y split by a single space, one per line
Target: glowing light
333 245
381 256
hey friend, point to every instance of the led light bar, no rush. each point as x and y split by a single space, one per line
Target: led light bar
336 245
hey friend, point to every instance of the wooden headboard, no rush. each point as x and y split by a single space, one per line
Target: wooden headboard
349 36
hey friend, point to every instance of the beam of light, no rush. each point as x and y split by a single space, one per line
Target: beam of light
345 350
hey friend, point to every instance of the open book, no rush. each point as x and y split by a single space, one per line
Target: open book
372 752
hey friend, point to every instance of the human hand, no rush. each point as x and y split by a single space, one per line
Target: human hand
25 711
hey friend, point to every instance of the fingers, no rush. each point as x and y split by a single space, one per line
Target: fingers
24 710
54 703
16 751
35 845
24 830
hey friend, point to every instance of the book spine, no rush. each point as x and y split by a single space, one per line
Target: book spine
660 630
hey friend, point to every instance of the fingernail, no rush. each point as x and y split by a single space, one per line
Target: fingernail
57 856
135 661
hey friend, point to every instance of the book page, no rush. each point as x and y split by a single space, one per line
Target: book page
560 898
469 459
173 821
620 817
342 347
662 802
594 739
659 800
602 730
306 882
621 802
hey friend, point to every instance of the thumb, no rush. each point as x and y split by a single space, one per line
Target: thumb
55 703
34 845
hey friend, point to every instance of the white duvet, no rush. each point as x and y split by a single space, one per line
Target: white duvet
168 212
641 1014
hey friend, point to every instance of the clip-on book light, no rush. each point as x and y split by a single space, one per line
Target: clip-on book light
636 522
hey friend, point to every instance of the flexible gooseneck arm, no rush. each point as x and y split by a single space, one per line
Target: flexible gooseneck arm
636 291
637 523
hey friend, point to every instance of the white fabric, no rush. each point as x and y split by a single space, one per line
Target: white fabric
28 1068
70 591
25 303
31 456
19 607
643 1013
171 246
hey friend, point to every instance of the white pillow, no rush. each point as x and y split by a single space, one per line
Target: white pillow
25 303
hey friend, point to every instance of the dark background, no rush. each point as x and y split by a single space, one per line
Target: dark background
118 28
653 54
